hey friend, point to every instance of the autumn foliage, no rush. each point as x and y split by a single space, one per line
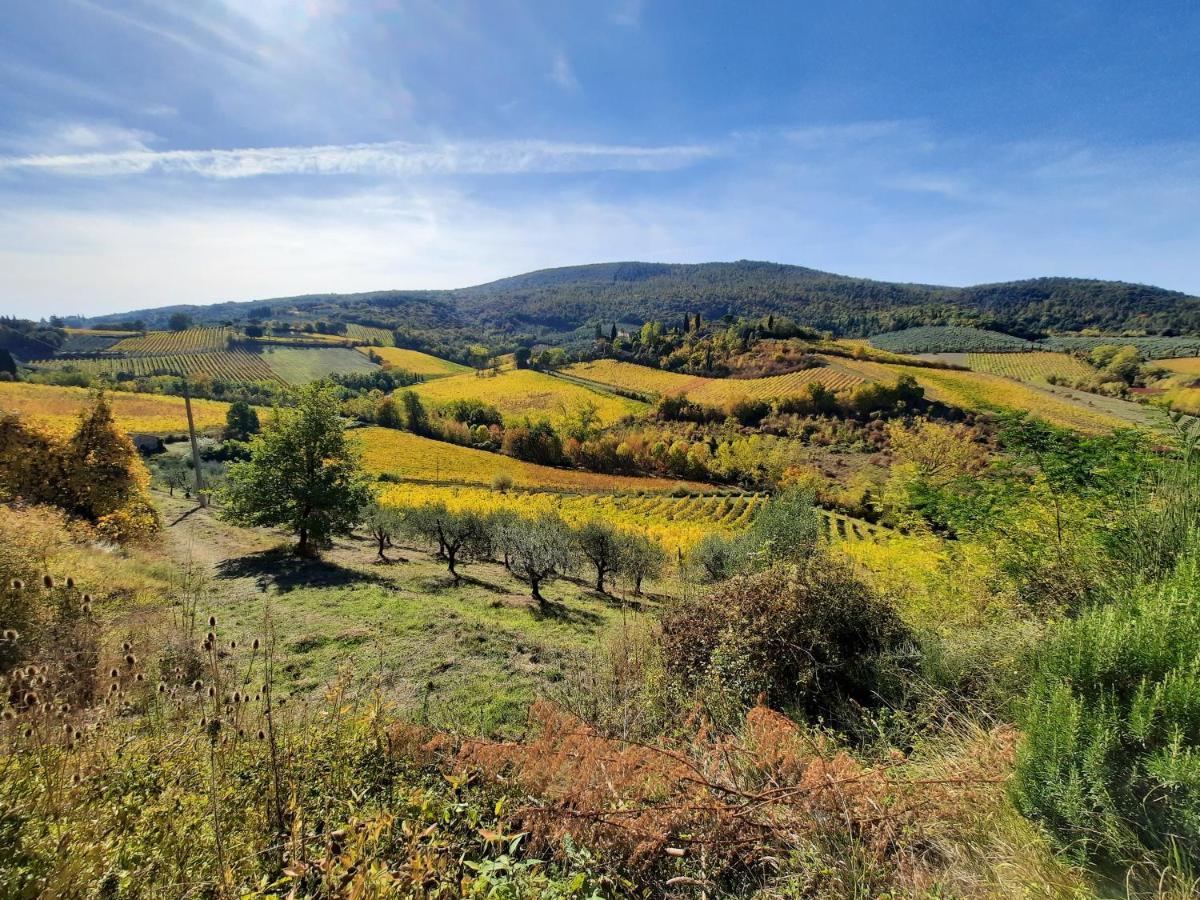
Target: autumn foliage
95 474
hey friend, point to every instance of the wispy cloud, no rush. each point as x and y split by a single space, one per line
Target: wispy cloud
628 13
562 74
388 159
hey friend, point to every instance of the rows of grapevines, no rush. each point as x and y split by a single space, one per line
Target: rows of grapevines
169 342
676 522
231 365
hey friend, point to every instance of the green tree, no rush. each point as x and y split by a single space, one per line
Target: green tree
179 321
601 544
416 419
241 422
641 558
384 523
539 550
303 474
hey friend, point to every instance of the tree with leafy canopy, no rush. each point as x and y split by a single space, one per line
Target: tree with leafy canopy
640 558
383 523
416 419
241 422
303 473
540 550
601 544
179 321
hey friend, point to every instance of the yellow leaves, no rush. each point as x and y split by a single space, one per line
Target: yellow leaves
58 408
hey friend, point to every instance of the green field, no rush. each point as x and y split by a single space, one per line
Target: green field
300 365
948 339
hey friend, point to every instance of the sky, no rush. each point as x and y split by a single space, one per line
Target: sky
155 152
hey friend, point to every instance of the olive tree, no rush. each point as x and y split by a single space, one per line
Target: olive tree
540 551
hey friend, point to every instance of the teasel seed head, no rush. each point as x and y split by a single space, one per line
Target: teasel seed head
11 634
70 583
130 660
17 584
255 645
197 685
126 647
48 581
212 621
212 691
114 673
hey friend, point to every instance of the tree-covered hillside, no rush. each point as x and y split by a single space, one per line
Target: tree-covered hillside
559 301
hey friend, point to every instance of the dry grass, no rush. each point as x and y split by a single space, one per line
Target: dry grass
58 408
524 393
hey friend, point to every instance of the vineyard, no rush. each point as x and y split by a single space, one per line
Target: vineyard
409 457
713 391
524 393
1149 347
1036 365
949 339
369 334
171 342
1184 365
417 362
995 393
81 340
300 365
58 408
676 522
234 365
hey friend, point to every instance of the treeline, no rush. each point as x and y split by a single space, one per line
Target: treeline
839 304
751 443
537 549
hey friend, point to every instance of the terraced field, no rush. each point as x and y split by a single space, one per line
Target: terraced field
1033 366
524 393
417 362
236 365
715 391
370 334
676 522
300 365
407 456
172 342
58 408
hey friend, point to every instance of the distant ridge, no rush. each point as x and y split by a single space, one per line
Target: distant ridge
563 300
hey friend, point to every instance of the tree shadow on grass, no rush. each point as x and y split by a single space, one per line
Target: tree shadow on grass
282 569
557 611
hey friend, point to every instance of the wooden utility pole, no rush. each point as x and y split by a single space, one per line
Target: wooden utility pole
187 402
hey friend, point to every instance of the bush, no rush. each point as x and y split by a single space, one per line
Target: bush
813 638
1111 762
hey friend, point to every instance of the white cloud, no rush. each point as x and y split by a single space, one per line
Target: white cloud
390 159
562 74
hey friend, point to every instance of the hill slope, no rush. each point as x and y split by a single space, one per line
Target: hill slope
558 301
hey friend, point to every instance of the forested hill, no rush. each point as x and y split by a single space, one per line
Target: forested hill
561 300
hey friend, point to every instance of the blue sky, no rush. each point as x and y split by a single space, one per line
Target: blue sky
156 152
